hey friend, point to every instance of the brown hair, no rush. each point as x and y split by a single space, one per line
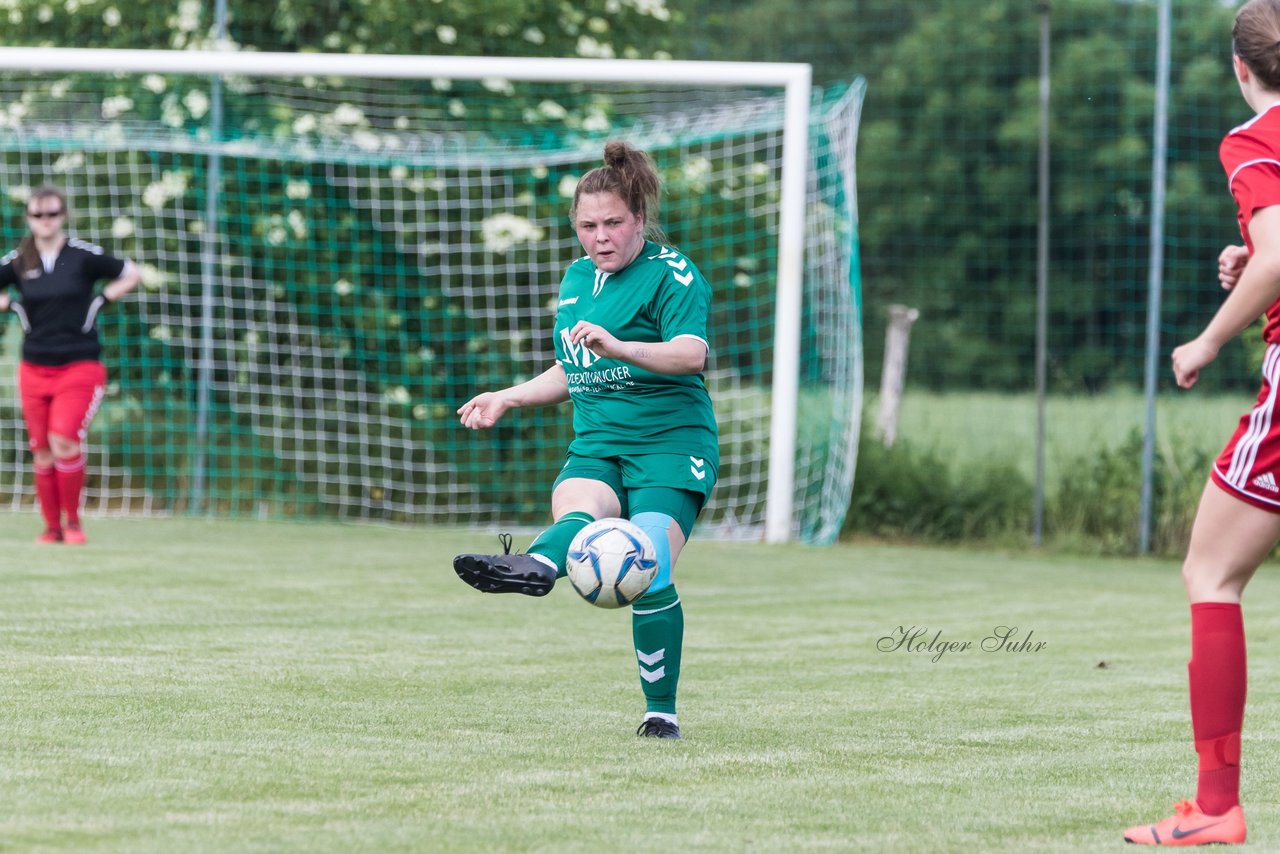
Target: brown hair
1255 38
28 256
630 175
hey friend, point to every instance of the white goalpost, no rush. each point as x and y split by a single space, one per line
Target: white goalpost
358 131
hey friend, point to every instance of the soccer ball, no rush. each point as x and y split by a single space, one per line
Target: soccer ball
612 563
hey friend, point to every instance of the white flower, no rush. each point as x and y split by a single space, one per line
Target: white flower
597 25
365 140
152 278
170 186
568 184
539 172
171 115
552 110
348 114
502 231
396 394
533 35
71 6
343 288
589 47
421 411
161 333
44 14
398 173
695 171
153 82
59 88
298 190
197 103
441 84
446 34
457 109
742 280
297 224
113 106
498 84
596 122
68 162
402 123
276 235
188 16
121 227
656 9
304 124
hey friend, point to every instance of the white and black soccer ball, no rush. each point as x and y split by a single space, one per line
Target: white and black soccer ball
612 563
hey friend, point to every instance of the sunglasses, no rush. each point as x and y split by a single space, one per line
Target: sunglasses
43 214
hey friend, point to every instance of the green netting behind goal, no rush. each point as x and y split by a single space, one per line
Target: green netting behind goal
379 252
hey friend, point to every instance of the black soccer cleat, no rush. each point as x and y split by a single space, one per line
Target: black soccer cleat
506 573
658 728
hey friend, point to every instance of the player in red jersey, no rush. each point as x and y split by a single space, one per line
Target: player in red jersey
60 381
1238 522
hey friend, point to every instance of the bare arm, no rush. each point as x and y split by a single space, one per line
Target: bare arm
684 355
128 280
1257 287
485 410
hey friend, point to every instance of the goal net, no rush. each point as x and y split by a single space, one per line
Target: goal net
333 264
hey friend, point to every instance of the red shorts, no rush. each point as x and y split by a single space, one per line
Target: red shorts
1249 467
60 399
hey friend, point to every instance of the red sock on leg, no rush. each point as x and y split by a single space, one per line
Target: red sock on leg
1216 674
70 481
48 496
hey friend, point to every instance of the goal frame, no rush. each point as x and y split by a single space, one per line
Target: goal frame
796 80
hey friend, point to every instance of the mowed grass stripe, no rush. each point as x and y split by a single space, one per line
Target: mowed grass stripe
217 686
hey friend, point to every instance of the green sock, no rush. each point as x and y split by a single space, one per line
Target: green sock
657 629
553 543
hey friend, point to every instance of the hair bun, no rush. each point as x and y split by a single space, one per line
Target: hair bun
615 154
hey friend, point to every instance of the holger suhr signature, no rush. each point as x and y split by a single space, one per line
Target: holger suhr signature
919 639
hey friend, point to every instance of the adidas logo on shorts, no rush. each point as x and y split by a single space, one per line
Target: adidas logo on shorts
1266 481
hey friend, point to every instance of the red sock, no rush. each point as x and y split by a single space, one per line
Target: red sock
1216 672
70 481
47 494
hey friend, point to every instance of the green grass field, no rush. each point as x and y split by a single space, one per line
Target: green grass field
185 685
978 426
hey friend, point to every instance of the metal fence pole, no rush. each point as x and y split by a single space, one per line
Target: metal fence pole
1159 149
208 278
1042 277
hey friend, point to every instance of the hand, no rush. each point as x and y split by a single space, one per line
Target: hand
596 338
1231 263
4 302
1189 359
483 411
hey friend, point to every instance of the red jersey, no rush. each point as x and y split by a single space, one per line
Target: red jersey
1251 157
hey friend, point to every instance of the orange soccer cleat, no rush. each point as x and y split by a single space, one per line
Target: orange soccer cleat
73 536
1189 826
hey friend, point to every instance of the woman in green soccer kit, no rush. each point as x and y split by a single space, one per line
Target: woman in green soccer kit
631 344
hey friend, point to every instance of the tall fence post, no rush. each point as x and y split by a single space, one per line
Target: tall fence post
208 278
1159 149
1042 278
893 377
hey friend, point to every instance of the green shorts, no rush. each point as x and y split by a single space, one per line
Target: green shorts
633 475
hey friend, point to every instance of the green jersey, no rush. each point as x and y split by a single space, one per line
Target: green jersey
619 408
